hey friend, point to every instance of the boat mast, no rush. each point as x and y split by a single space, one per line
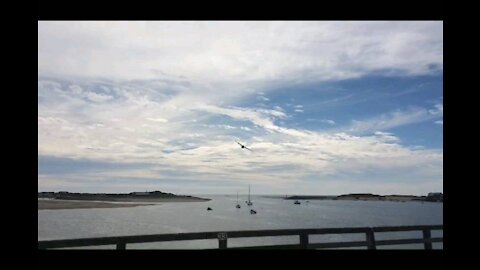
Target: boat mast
248 193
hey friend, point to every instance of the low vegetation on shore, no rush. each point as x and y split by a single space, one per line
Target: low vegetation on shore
153 196
431 197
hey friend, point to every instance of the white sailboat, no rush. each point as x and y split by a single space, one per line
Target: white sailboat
249 202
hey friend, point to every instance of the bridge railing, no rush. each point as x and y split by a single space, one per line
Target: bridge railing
223 236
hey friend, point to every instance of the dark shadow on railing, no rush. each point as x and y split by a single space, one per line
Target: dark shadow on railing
370 242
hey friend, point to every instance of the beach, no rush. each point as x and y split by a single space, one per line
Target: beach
68 204
44 204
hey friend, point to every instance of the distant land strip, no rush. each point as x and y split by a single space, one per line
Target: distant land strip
51 204
69 200
431 197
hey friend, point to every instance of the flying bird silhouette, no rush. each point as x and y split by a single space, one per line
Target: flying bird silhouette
243 146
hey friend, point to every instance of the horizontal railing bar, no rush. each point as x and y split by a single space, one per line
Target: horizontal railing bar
406 241
399 241
127 239
436 239
76 243
339 244
292 246
407 228
239 234
114 240
189 236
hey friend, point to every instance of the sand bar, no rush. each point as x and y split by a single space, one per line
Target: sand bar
70 204
111 202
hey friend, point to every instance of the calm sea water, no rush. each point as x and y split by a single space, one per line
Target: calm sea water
272 213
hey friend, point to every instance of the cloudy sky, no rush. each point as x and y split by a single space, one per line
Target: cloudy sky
326 107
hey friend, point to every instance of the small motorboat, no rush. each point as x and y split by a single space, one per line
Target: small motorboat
238 205
208 209
252 211
296 202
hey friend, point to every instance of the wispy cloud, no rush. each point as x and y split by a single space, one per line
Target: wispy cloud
262 98
330 122
162 120
325 121
394 119
238 51
123 131
157 102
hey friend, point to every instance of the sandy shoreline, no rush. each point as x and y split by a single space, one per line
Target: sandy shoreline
50 204
65 204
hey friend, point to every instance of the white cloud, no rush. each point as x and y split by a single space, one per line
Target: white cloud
326 121
162 120
76 90
237 51
262 98
394 119
387 137
147 92
438 110
98 97
440 122
195 150
330 122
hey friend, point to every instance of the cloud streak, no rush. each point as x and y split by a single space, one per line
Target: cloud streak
130 131
158 102
238 51
394 119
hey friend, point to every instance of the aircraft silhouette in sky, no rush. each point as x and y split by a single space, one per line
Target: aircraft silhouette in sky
243 146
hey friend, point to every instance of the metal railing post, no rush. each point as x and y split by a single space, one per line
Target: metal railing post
222 240
121 245
303 240
370 239
427 239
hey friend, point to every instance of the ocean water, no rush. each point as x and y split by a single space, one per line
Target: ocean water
272 213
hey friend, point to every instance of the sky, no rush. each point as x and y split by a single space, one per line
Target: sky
327 107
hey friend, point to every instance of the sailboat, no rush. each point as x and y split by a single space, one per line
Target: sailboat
249 202
238 205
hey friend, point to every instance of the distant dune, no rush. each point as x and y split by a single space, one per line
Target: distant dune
68 200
